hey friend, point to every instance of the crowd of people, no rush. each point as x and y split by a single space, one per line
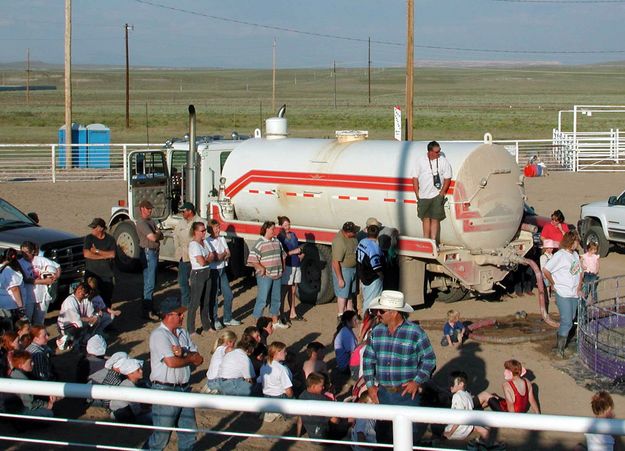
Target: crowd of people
382 355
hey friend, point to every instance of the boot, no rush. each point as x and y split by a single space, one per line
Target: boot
560 345
146 309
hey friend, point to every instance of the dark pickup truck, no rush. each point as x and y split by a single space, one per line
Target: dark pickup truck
62 247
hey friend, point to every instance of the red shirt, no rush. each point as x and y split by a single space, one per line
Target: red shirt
551 232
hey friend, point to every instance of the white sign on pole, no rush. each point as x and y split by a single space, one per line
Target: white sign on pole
397 117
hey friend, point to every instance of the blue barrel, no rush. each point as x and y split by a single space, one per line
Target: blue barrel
100 153
79 150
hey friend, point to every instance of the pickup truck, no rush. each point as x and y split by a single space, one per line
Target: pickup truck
603 222
62 247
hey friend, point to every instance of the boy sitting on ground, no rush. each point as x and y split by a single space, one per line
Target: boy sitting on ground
462 400
453 330
317 426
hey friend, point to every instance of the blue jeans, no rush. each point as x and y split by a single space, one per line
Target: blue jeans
221 284
234 387
171 416
568 309
397 399
590 286
184 271
267 286
350 278
149 261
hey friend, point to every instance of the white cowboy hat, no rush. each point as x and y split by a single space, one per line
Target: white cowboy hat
390 300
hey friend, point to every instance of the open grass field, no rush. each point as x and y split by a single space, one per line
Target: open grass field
450 103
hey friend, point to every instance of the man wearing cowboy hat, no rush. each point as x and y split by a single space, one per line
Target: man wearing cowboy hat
399 357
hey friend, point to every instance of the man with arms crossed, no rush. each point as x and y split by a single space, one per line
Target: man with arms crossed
431 177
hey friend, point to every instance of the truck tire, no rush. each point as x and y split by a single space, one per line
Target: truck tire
127 253
316 285
454 294
595 234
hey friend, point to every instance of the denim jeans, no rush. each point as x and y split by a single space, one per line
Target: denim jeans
149 260
234 387
267 286
184 272
220 283
397 399
568 310
200 298
590 286
171 416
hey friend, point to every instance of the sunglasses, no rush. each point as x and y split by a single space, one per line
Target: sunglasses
381 311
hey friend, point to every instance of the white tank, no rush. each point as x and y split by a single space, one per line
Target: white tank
323 183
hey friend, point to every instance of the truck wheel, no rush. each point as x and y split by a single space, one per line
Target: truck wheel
127 240
454 294
316 285
595 235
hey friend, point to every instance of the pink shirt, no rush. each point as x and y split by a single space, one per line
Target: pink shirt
590 262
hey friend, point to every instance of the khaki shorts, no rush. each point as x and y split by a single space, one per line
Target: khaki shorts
431 208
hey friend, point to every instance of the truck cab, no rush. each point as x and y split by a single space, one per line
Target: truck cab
603 222
159 175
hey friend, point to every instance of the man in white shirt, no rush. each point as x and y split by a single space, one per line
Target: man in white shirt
172 355
431 177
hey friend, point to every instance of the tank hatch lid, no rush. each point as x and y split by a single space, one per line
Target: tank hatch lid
343 136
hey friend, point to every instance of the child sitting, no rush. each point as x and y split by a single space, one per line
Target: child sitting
315 353
236 373
602 407
345 340
316 426
275 378
363 429
224 344
590 265
125 411
99 306
453 330
519 396
462 400
30 404
93 361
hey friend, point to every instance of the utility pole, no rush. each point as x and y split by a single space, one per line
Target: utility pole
68 84
369 58
27 76
126 28
334 76
409 70
273 75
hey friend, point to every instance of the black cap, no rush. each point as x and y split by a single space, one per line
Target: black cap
350 227
97 222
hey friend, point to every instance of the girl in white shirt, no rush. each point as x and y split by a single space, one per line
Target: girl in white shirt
274 376
236 372
200 257
224 344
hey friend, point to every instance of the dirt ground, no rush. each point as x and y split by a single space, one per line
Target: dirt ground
71 206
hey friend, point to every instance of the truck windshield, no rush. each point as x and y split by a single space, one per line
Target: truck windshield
12 217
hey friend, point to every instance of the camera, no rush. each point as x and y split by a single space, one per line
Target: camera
437 181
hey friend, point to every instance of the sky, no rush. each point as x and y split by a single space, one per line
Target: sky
310 34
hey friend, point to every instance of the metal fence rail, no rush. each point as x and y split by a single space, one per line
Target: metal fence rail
402 417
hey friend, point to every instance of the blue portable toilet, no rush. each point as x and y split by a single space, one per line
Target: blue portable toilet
100 153
79 150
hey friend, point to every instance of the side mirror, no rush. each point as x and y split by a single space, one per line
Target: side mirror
34 216
612 200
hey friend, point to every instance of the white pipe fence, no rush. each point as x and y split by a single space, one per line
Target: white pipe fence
402 416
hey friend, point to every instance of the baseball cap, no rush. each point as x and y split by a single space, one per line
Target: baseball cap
96 346
171 304
349 226
187 206
127 366
373 221
97 222
145 204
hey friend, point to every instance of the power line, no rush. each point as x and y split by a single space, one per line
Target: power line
401 44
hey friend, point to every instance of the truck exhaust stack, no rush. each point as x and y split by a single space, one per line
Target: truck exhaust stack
191 176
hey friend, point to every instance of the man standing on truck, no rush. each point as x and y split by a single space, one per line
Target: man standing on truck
182 238
149 242
431 177
344 277
99 253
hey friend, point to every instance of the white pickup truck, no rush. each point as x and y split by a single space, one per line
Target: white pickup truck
603 222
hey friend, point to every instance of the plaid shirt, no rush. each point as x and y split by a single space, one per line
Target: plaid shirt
392 360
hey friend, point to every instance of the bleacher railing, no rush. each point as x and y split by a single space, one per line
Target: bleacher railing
402 417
